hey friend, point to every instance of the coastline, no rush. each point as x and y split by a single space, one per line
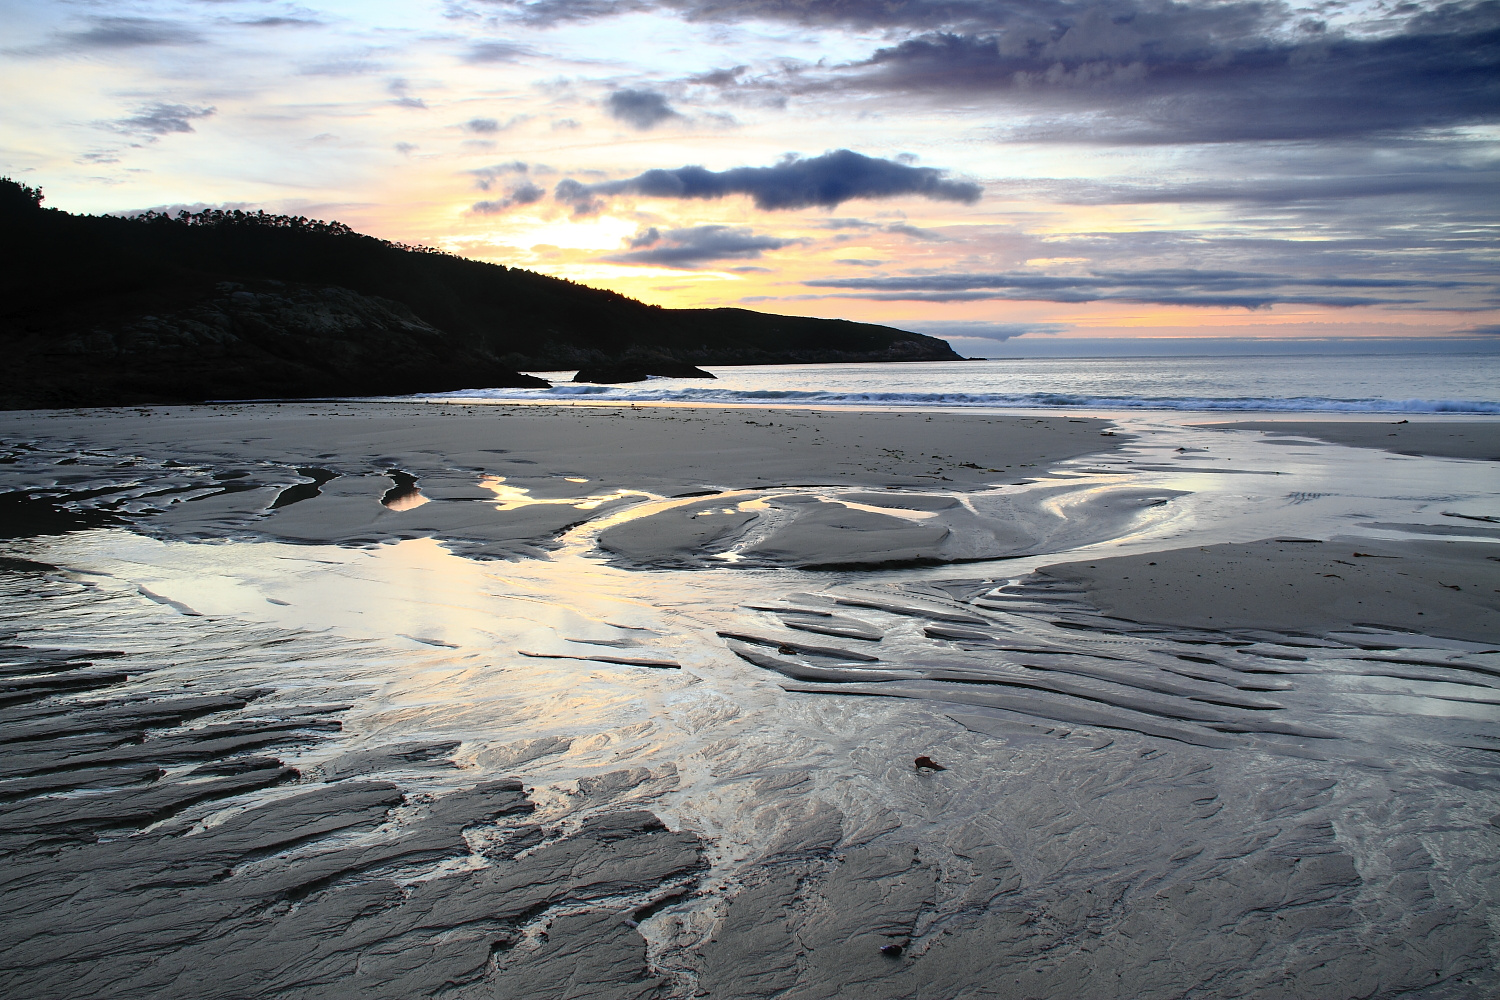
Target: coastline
628 625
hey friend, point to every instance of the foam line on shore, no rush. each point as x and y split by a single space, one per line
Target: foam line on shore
671 391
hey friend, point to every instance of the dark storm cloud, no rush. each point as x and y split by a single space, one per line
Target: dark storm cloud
822 181
1162 71
129 33
687 248
160 119
1164 286
641 109
1168 73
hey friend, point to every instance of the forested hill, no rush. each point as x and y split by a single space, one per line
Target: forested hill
101 310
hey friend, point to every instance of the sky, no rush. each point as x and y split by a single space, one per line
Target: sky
1012 175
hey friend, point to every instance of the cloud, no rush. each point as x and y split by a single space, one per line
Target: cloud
719 77
545 13
496 52
1320 183
823 181
160 119
649 237
402 97
280 22
687 248
1142 71
192 208
641 109
351 66
487 126
926 235
579 195
980 330
1163 286
1215 73
129 33
856 262
523 193
486 177
852 13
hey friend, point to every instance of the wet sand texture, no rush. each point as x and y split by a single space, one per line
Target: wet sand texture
892 529
1254 809
1444 439
307 893
1139 797
203 472
1440 588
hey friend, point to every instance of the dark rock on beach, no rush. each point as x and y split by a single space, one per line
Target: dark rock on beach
633 371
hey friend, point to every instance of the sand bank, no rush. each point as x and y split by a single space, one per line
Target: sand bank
509 481
1442 438
667 449
1439 588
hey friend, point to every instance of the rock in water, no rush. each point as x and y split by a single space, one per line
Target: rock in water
631 372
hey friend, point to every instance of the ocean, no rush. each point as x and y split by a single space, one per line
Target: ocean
1416 383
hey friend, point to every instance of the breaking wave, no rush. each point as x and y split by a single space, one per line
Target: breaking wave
672 391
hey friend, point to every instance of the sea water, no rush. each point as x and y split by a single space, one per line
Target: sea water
1418 383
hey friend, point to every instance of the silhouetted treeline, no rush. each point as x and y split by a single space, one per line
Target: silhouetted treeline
62 275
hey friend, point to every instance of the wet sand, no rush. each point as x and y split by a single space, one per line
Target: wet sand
542 465
1443 438
1446 589
398 699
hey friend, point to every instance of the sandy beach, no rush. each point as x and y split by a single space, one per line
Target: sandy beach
497 700
1446 438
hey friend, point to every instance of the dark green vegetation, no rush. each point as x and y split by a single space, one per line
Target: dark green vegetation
100 310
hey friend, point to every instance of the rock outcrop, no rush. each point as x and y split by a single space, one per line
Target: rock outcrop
638 368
